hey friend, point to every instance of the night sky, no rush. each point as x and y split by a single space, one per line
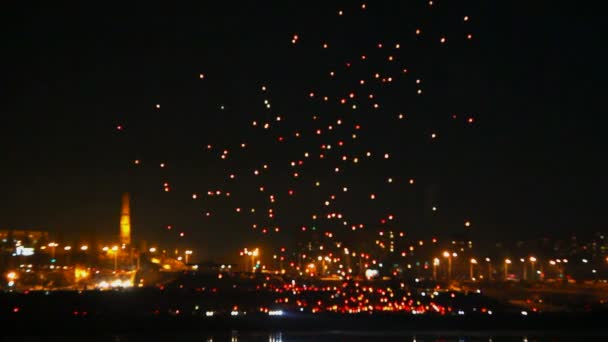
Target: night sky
532 78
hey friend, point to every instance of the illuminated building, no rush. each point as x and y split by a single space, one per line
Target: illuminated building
125 220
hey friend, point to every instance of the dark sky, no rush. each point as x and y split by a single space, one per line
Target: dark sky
533 77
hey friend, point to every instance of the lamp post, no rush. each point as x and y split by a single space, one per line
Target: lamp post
435 264
524 269
507 263
449 255
532 262
53 245
84 249
471 264
489 261
553 263
188 253
67 250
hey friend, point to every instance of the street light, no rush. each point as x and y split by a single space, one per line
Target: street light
488 260
557 264
471 263
84 248
507 263
188 253
67 249
447 254
435 264
53 245
532 261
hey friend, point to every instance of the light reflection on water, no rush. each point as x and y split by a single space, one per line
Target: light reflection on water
279 336
236 336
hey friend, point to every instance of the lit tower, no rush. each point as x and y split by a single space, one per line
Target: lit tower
125 220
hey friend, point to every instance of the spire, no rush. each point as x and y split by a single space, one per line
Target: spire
125 220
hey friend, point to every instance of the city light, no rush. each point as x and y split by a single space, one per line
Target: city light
472 262
11 276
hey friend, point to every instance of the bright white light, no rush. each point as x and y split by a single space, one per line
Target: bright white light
234 313
370 273
25 251
275 313
209 313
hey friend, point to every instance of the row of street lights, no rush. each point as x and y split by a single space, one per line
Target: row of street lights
473 262
54 245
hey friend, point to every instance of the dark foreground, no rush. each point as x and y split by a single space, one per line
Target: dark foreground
150 312
562 324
